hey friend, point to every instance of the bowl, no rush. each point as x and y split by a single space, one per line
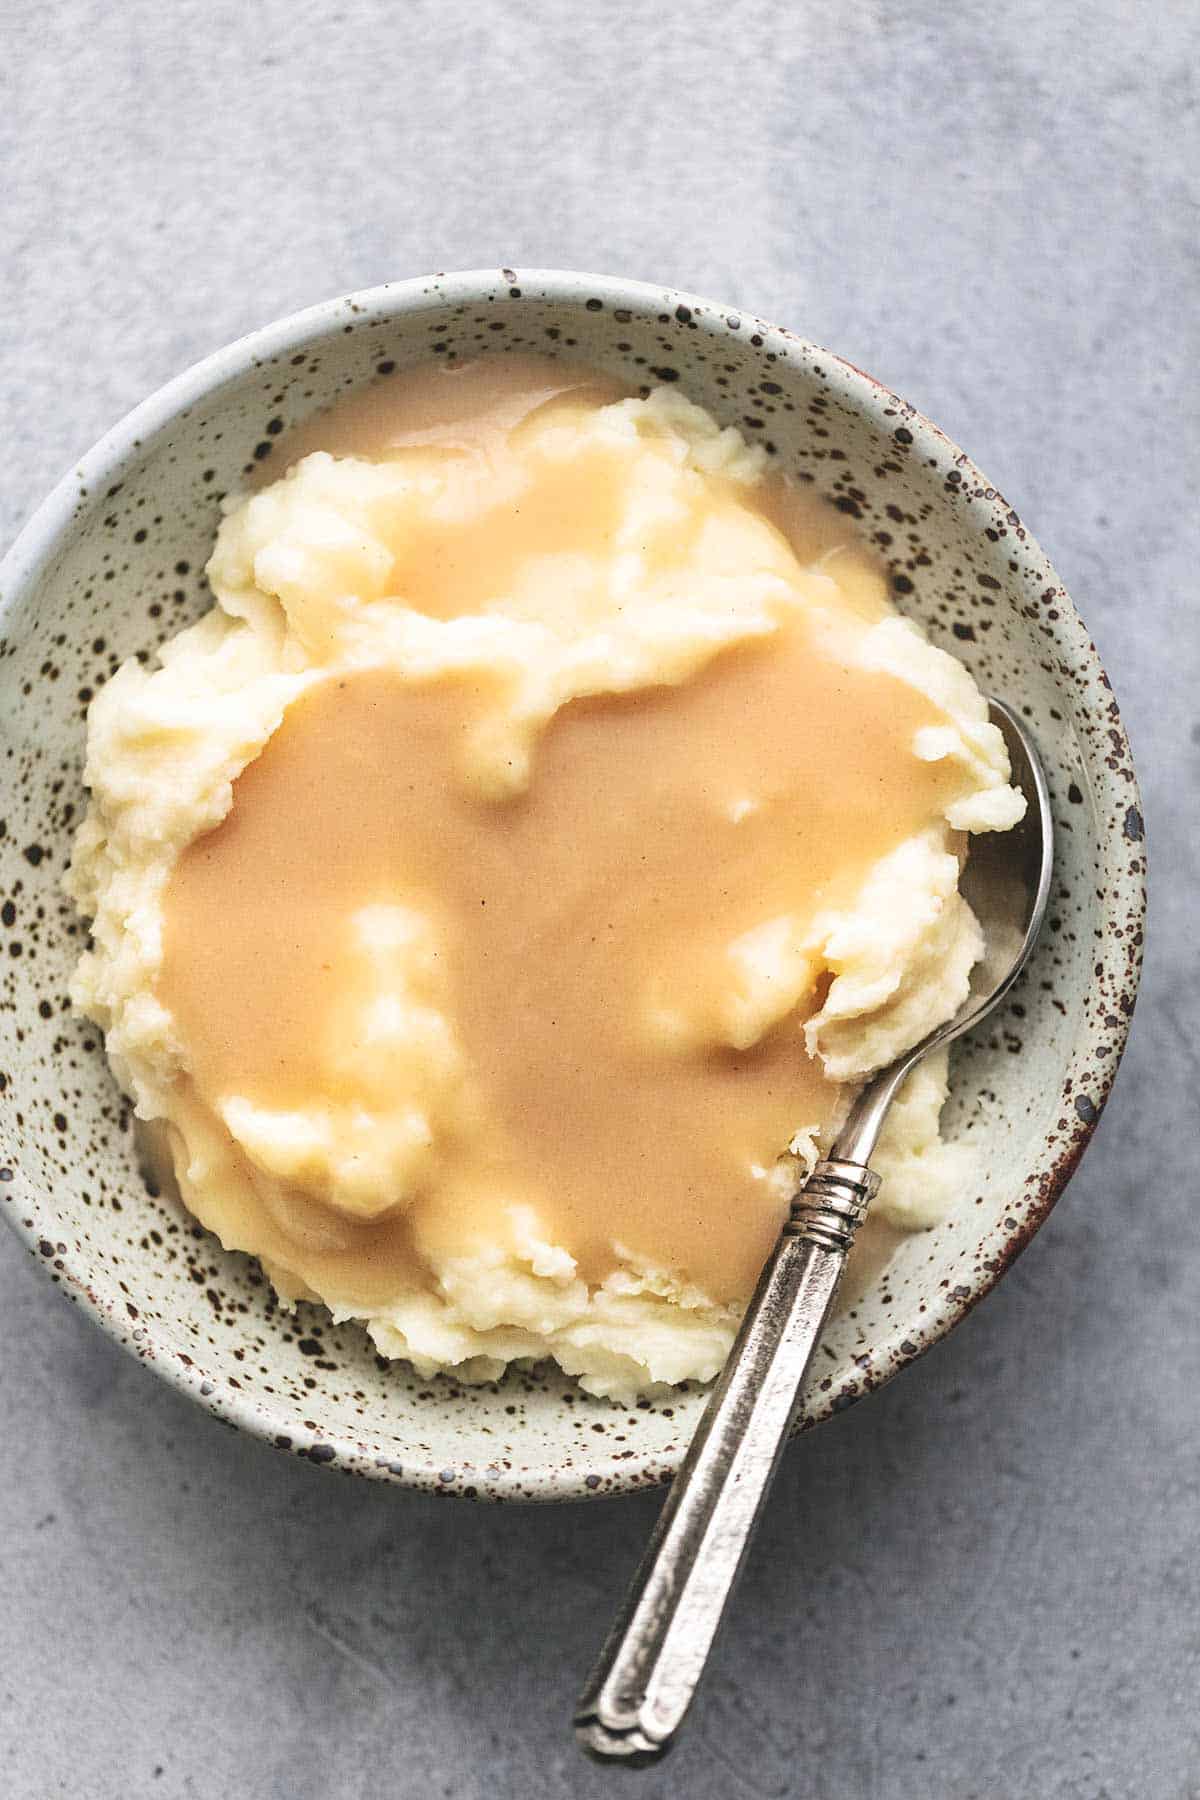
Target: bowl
113 563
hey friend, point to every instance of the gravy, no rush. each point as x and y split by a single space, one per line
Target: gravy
569 919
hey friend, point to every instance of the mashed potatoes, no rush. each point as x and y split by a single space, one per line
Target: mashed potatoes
499 895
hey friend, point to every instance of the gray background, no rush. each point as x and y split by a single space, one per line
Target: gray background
986 1581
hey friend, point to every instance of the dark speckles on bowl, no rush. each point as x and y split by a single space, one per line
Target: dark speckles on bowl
111 565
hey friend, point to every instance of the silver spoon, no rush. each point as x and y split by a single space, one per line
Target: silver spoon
639 1691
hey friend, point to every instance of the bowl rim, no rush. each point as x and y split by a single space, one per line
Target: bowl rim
88 480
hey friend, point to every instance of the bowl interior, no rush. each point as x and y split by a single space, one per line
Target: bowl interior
114 564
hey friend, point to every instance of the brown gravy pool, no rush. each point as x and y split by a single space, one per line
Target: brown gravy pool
623 869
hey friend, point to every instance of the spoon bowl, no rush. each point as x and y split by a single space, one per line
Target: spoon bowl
1006 879
1006 883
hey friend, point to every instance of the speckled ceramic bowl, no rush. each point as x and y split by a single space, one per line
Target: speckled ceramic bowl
112 564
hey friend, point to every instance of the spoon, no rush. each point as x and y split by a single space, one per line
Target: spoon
637 1695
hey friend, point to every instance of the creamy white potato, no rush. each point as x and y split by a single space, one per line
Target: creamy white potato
499 894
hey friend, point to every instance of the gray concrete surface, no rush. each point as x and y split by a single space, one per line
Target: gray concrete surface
986 1581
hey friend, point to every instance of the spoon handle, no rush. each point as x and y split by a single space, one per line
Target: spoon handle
643 1684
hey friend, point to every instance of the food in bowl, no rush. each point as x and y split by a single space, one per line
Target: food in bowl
499 895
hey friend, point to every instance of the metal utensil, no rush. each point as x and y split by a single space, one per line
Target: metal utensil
643 1683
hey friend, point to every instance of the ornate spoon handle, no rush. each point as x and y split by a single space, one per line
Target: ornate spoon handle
640 1689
